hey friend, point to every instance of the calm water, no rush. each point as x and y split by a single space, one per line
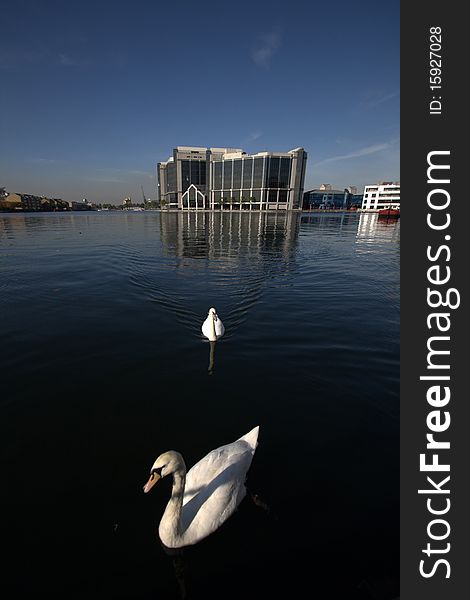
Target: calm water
104 368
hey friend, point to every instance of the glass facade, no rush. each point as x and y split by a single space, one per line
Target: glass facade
252 180
227 165
272 172
258 173
171 178
237 174
284 172
193 172
247 173
232 178
217 182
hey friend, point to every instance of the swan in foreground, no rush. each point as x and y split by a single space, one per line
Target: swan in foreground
213 328
204 497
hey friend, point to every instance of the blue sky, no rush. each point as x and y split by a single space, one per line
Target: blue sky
94 94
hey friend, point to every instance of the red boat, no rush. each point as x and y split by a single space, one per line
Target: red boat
389 212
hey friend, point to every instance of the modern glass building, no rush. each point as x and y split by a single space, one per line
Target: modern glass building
229 178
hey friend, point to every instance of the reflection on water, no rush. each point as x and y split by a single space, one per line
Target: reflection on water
211 357
372 228
334 221
221 260
212 235
105 368
180 568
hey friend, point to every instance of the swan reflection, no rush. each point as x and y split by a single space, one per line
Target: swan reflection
210 369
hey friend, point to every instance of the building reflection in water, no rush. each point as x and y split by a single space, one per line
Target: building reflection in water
212 235
225 259
327 220
371 228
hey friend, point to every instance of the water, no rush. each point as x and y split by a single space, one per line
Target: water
104 368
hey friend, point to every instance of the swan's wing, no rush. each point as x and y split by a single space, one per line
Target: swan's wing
210 467
214 488
219 328
213 463
206 328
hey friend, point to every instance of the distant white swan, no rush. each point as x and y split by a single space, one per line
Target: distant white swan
204 497
213 328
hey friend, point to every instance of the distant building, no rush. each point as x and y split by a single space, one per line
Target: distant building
325 197
381 195
30 202
9 202
212 178
83 205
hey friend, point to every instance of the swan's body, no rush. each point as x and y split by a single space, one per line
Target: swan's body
213 328
207 495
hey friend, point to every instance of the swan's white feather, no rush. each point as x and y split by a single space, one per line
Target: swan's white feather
214 488
219 326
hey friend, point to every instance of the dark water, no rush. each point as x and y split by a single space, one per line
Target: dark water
104 368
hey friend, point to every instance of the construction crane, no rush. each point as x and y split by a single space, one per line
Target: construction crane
142 188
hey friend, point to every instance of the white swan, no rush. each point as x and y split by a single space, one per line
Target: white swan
204 497
213 328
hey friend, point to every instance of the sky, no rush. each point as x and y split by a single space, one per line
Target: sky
94 94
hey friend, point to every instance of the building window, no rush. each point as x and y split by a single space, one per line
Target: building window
171 178
227 174
185 175
272 179
247 172
258 173
272 196
237 174
217 170
284 172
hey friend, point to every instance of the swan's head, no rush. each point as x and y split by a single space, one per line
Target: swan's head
212 312
166 463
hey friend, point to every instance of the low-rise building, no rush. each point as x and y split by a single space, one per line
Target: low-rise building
325 197
83 205
9 202
381 195
30 202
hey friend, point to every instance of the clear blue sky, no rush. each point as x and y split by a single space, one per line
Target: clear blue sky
94 94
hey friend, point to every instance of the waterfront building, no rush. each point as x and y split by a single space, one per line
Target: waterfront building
229 178
10 202
32 203
381 195
325 197
83 205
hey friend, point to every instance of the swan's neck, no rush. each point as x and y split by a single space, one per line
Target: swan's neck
170 525
213 335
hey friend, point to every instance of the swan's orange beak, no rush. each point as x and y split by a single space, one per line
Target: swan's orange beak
154 477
